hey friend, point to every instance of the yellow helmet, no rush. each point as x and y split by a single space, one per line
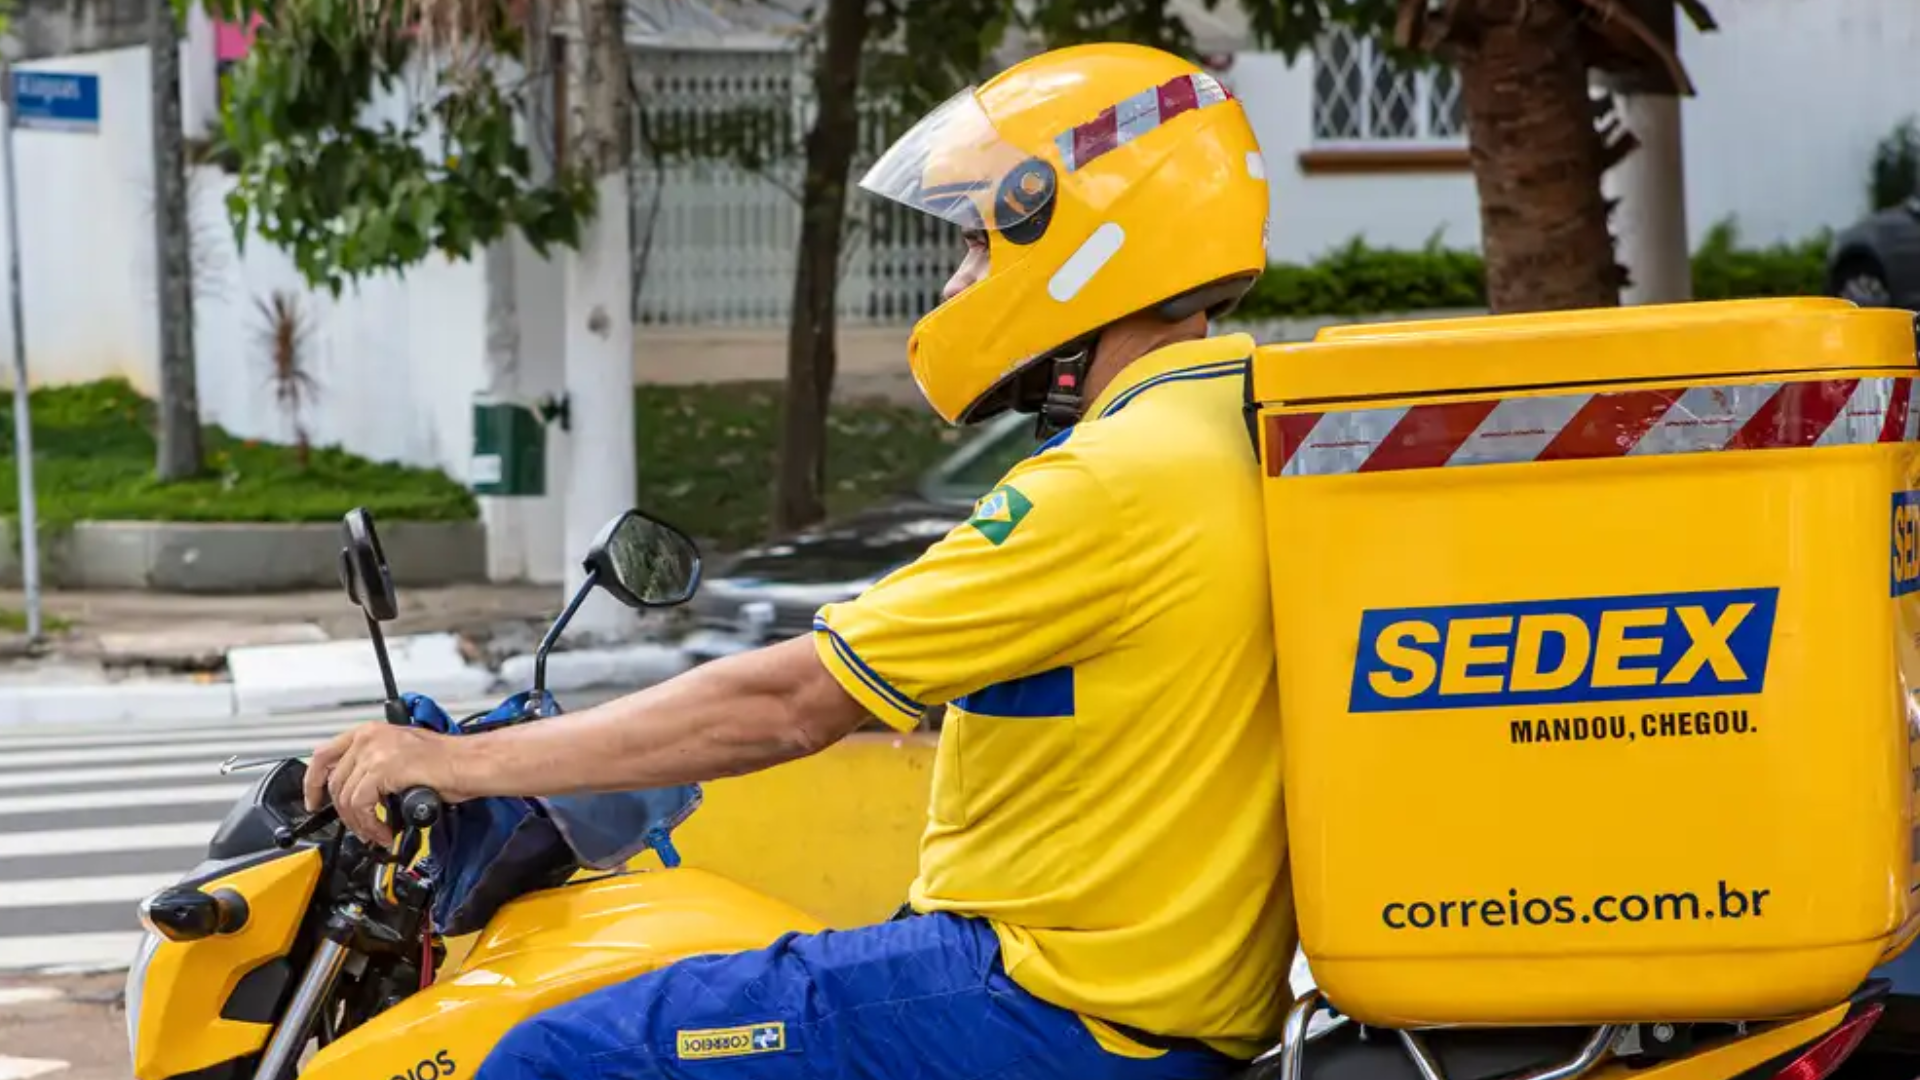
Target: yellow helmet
1111 180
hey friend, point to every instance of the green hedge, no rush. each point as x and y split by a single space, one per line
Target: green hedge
94 454
1359 280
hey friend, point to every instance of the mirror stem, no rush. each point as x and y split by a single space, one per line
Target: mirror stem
560 624
386 665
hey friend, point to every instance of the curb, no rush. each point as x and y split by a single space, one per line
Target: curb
312 677
142 700
588 669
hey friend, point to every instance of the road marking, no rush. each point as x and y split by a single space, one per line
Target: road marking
103 840
52 892
116 774
103 950
141 737
27 995
13 1068
214 753
115 799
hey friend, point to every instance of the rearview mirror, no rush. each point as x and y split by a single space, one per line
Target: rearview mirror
363 568
644 562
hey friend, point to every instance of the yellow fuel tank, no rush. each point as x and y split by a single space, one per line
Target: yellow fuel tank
548 948
1595 633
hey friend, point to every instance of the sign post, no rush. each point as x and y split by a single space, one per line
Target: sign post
48 101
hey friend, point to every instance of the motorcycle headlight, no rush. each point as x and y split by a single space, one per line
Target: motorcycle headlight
136 982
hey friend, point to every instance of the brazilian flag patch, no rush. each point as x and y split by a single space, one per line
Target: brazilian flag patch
999 512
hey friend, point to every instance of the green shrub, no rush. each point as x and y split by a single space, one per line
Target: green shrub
1722 270
93 449
1355 279
1895 176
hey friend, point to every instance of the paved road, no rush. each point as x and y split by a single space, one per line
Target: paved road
94 819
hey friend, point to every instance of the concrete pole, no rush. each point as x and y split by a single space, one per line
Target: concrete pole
1651 222
601 473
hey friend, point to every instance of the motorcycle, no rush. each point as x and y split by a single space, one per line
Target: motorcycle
296 949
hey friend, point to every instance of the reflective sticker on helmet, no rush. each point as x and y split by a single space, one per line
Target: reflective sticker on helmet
1080 266
1126 121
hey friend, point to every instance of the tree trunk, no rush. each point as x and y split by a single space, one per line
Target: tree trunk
1536 159
179 437
799 499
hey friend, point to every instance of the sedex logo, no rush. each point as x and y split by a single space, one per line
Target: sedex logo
1540 652
1906 542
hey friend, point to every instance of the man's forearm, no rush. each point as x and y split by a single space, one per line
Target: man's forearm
730 717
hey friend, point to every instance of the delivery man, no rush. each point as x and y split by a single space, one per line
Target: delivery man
1102 888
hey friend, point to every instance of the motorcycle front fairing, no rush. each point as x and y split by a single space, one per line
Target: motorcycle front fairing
196 1006
208 1003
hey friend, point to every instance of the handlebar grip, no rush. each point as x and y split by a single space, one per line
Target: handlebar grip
419 807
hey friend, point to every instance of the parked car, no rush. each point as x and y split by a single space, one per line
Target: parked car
1875 262
770 592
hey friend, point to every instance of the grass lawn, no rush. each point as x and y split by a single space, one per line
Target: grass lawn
706 463
94 457
707 455
15 622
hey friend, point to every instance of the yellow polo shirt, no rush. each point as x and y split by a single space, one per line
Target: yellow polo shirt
1107 789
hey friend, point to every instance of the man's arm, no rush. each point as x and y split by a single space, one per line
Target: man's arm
733 716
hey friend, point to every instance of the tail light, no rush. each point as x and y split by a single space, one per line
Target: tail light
1820 1059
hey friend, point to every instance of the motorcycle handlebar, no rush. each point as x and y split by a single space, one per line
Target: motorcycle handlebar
419 807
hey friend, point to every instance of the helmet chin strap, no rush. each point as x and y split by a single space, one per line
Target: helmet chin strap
1066 390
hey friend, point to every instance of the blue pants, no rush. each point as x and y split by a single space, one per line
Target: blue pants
922 998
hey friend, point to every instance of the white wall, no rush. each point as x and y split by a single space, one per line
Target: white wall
1793 97
1314 213
397 363
86 235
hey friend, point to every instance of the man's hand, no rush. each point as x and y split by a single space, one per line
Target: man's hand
359 768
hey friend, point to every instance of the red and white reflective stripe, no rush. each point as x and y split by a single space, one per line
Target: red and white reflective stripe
1120 124
1570 427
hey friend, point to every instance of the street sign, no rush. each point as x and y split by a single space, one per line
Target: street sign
56 101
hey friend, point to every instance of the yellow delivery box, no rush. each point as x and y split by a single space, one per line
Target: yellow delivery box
1595 636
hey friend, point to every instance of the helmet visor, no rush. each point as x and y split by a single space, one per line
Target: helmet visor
955 166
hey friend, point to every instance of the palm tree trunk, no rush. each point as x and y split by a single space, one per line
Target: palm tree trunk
1536 159
179 447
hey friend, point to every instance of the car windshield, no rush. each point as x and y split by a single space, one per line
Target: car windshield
973 469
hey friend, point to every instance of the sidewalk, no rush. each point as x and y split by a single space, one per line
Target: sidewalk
136 656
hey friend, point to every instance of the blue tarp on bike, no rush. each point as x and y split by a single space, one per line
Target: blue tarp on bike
488 851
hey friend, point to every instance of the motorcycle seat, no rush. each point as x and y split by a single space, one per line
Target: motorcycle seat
1464 1053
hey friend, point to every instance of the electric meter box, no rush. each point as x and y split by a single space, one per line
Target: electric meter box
1595 638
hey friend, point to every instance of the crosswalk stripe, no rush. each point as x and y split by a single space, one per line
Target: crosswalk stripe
103 841
138 737
118 774
239 744
70 950
122 797
52 892
16 1068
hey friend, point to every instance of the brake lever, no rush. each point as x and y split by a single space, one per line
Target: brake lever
286 837
236 763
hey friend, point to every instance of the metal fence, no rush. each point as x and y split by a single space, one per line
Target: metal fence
716 213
